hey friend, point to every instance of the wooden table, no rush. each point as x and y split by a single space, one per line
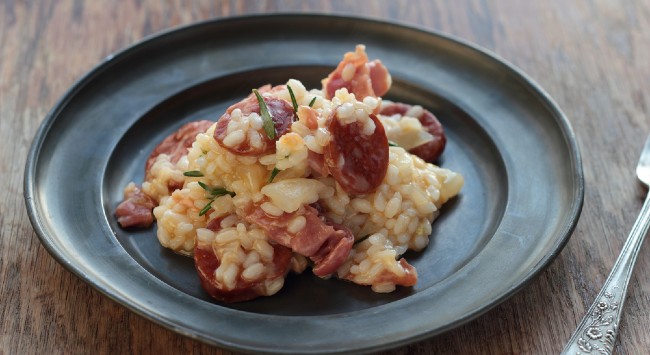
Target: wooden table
591 56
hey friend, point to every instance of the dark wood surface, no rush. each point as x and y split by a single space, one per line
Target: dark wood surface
592 56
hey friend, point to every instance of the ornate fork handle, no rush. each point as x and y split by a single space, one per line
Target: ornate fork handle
596 334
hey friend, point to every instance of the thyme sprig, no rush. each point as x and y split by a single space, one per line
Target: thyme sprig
206 208
214 193
269 126
193 173
273 174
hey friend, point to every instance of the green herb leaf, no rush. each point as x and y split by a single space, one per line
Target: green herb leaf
217 191
392 144
220 191
206 208
193 173
269 126
293 99
205 187
273 174
311 103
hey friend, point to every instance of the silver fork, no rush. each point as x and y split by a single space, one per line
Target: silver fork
596 334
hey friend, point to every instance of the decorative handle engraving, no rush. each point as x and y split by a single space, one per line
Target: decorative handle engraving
597 332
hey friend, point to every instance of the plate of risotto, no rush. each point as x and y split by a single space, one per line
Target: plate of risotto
305 183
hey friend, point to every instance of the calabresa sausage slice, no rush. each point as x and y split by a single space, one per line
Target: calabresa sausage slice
135 210
240 130
177 144
357 161
327 244
359 76
207 262
428 151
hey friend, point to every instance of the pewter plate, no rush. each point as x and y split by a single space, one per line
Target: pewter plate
522 198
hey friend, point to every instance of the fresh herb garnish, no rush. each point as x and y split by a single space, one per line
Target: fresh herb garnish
193 173
269 126
206 208
311 103
205 187
293 99
392 144
220 191
273 174
214 193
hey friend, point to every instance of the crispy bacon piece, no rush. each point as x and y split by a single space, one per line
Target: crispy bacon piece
431 150
326 244
358 75
136 209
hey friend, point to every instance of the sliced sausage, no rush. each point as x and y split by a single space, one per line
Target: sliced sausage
136 209
253 140
177 144
316 162
379 77
206 263
334 252
431 150
357 161
328 245
359 76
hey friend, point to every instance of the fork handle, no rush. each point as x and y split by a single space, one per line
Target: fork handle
597 331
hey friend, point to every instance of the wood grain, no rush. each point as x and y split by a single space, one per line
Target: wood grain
592 56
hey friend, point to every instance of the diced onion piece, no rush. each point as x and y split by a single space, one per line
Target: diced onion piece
407 132
291 194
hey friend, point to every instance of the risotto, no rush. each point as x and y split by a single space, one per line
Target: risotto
335 180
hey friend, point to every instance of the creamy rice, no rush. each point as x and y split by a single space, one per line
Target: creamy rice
236 170
394 218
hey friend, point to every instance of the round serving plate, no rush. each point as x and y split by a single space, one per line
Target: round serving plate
522 197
